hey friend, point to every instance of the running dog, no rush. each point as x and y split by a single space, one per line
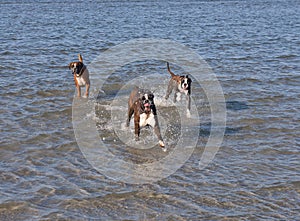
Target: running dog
181 84
141 104
81 76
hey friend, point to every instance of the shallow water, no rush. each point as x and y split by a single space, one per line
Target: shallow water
252 47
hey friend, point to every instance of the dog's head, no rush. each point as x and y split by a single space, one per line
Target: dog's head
76 68
147 101
185 82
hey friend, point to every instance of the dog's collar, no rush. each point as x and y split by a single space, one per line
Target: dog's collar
81 71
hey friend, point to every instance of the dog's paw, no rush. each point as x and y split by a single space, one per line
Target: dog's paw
161 143
164 149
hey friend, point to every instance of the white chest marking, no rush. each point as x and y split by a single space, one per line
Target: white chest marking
147 120
81 81
185 92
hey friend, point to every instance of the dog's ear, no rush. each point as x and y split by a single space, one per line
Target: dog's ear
80 58
151 96
190 80
139 95
71 65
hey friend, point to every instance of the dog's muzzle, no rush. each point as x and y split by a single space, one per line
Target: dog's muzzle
185 86
147 106
77 71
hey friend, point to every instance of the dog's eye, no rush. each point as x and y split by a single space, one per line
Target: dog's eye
143 98
150 96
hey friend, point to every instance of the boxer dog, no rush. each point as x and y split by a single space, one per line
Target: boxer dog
81 76
141 104
181 84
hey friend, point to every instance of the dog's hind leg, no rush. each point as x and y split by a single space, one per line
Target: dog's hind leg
169 90
87 89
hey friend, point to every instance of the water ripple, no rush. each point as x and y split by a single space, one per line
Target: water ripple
253 47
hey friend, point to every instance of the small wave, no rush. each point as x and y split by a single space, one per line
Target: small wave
236 105
287 56
18 210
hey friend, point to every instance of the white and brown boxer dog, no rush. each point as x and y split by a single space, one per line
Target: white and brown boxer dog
181 84
81 76
141 104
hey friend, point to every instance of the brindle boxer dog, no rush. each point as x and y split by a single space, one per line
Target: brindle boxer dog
141 104
181 84
81 76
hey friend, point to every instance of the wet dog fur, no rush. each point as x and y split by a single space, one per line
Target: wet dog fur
81 76
181 85
141 105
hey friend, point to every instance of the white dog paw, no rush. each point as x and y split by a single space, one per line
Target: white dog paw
162 145
164 149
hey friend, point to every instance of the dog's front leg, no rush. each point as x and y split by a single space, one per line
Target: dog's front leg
188 109
157 131
77 87
177 96
78 91
137 126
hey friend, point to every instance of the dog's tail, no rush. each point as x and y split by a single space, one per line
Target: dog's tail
169 70
80 58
